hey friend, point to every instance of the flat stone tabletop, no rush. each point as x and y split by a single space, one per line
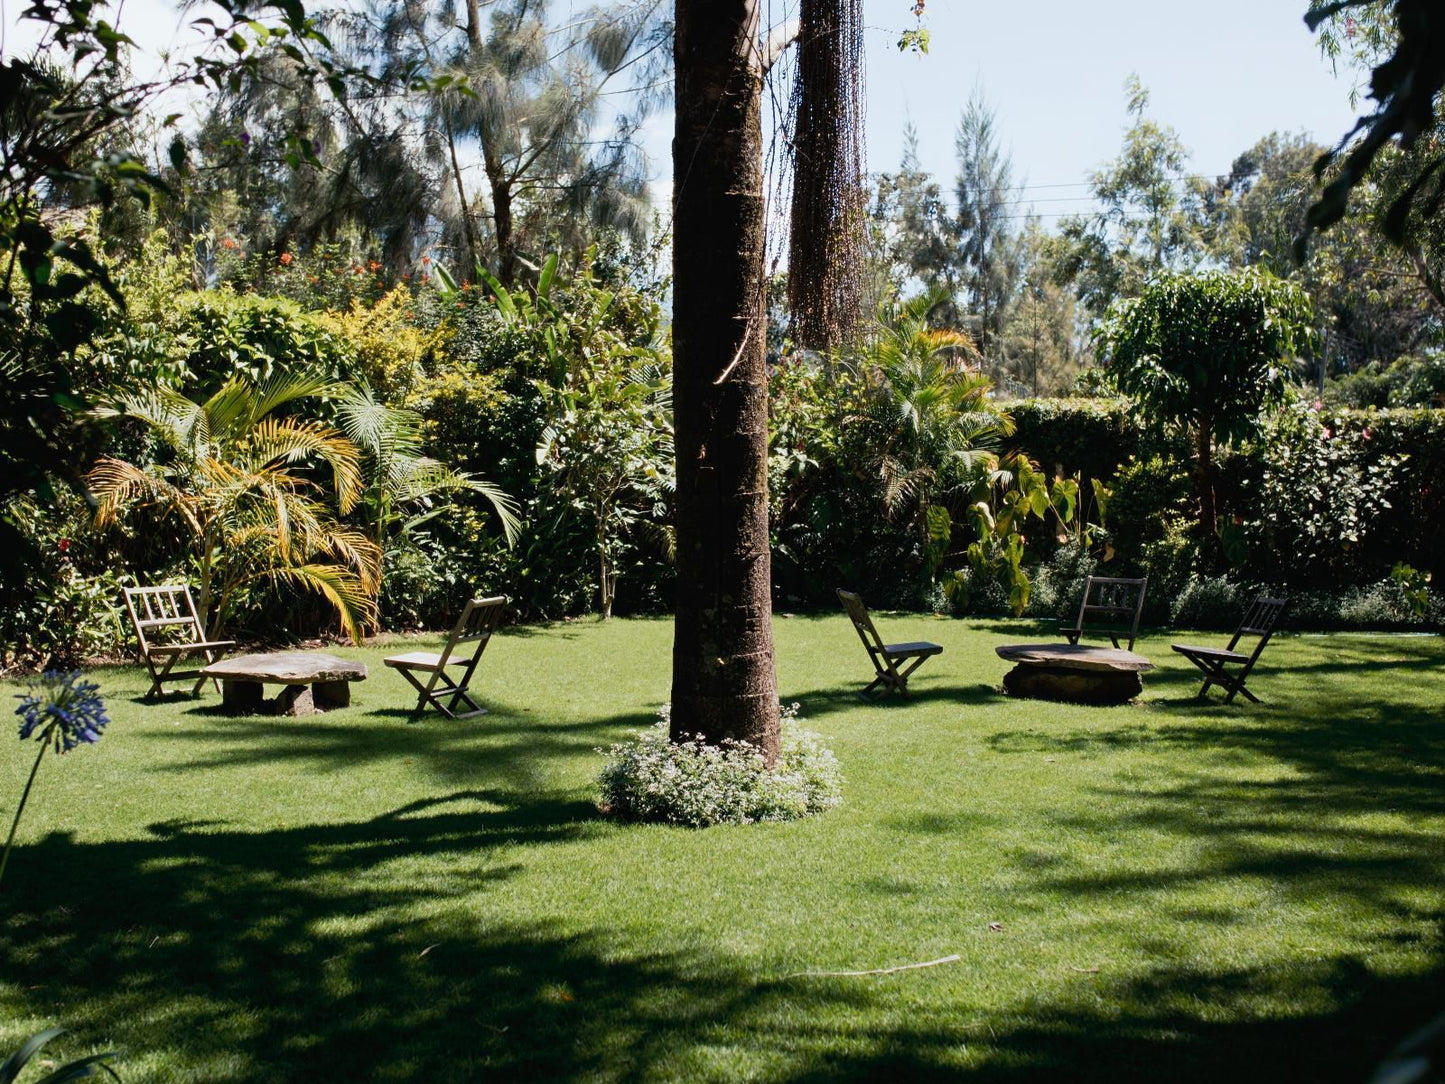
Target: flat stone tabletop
1074 657
287 668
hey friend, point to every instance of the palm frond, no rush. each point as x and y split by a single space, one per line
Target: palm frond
114 482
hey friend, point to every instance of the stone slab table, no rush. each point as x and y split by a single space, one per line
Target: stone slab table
1079 673
310 681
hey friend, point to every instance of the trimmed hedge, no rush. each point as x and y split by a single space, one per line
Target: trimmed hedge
1413 530
1097 437
1092 437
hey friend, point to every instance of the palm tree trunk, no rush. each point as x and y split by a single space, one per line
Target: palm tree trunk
723 681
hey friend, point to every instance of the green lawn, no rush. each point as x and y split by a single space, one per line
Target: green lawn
1162 891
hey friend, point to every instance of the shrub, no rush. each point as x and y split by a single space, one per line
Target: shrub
258 338
1091 437
1058 584
64 608
1319 496
387 346
1208 602
1148 495
652 778
1417 381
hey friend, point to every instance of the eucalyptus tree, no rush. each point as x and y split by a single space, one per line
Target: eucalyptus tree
1039 343
988 248
1375 300
1147 220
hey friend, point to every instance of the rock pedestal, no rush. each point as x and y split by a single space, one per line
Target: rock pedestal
310 681
1077 673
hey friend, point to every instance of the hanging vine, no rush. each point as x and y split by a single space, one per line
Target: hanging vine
826 241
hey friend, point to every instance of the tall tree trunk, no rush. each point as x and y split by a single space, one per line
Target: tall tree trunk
501 188
1204 461
497 180
723 682
826 229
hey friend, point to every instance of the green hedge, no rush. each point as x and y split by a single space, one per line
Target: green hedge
1092 437
1413 530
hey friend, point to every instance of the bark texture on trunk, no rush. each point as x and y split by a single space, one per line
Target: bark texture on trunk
723 681
1204 461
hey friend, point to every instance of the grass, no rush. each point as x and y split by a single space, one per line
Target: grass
1164 890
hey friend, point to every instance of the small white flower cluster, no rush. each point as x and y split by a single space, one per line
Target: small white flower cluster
653 778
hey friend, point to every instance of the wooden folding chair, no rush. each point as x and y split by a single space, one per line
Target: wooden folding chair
1110 607
1259 620
885 657
169 629
479 619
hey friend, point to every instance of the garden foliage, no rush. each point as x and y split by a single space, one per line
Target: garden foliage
653 778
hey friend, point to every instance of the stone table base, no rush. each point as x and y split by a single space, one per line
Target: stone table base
310 681
1077 673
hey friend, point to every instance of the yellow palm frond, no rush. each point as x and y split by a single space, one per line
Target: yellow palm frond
291 441
115 483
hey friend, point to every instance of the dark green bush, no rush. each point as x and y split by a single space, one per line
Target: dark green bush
1088 437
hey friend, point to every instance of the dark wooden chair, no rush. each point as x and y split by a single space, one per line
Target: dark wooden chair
1227 667
886 657
169 629
427 671
1110 607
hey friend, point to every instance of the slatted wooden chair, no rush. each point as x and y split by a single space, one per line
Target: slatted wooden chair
169 629
885 657
428 674
1259 621
1111 607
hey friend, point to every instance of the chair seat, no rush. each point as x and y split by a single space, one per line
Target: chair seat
199 645
920 647
422 660
1217 653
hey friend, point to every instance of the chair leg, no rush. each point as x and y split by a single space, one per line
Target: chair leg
158 678
1238 687
444 694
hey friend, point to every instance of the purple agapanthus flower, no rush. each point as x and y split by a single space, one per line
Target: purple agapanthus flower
61 706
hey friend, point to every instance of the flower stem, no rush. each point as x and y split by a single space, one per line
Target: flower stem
24 797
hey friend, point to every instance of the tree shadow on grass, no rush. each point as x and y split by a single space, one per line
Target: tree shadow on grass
208 952
292 954
501 745
831 700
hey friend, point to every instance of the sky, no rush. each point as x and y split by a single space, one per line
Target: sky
1222 74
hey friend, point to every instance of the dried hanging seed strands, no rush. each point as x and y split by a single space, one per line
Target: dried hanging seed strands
826 242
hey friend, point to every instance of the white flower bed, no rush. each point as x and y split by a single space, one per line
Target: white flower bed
652 778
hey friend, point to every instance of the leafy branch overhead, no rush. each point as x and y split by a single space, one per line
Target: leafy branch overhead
1405 87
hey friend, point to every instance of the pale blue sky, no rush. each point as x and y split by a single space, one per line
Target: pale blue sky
1222 74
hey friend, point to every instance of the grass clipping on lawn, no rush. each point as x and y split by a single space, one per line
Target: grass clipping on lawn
653 778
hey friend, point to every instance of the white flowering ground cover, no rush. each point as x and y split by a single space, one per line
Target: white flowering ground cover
1160 891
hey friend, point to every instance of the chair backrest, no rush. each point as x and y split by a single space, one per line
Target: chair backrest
858 613
1260 619
1112 606
158 612
479 619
